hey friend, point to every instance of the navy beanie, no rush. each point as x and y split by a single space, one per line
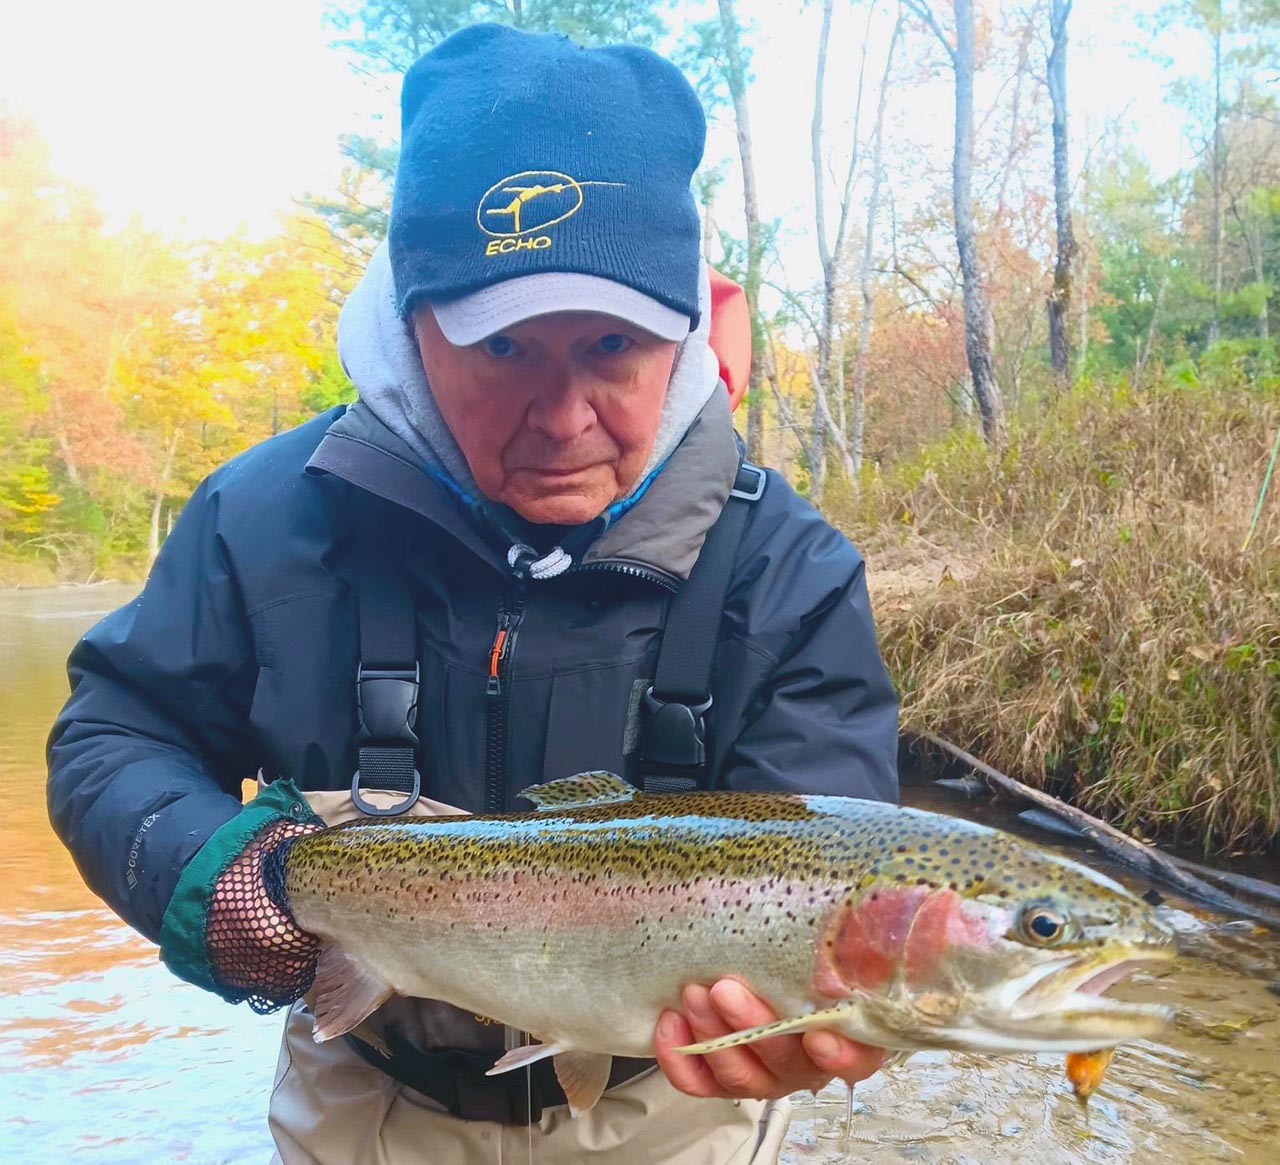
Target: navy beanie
523 153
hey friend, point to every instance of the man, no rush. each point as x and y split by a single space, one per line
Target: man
541 450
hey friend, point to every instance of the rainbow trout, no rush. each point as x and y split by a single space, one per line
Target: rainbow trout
581 922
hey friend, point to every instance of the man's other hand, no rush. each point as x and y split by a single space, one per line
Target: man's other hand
767 1069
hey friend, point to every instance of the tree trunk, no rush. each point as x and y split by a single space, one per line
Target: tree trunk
708 223
1081 288
1219 166
1060 296
832 427
978 322
751 210
830 254
1254 241
68 458
857 433
1015 114
1144 350
157 504
818 435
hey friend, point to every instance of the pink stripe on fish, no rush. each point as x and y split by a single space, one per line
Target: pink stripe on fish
560 903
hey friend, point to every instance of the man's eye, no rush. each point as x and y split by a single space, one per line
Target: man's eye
614 343
500 346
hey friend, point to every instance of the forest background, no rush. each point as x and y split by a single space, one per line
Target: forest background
1027 366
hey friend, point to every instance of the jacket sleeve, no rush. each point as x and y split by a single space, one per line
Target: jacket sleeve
147 756
823 715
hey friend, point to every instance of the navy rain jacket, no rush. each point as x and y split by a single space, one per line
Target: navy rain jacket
239 656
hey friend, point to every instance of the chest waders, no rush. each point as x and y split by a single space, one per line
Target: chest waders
672 760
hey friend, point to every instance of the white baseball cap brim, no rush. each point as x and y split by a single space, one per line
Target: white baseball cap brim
474 317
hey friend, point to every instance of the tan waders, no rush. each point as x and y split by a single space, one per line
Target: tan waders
330 1107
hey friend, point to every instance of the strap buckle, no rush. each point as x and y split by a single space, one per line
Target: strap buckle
387 704
751 493
676 732
386 708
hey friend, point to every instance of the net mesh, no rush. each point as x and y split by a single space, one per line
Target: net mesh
256 950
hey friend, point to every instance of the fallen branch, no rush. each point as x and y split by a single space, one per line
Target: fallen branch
1113 842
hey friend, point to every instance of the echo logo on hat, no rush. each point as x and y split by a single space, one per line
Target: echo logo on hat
523 204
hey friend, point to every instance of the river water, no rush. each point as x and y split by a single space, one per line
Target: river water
107 1058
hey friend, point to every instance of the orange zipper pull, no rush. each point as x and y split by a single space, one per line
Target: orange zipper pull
494 685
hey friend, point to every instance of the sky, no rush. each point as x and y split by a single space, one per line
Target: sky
201 117
204 119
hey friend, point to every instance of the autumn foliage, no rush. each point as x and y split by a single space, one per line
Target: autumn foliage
130 366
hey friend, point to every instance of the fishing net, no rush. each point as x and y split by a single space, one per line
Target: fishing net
256 950
224 929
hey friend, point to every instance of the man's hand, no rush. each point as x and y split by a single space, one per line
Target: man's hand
767 1069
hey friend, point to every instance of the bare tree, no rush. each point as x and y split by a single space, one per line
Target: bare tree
736 77
979 327
1015 148
857 433
1254 174
1060 296
831 254
1213 19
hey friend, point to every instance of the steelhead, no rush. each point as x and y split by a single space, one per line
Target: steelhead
581 922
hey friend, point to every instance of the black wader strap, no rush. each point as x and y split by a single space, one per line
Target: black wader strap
387 679
673 756
456 1079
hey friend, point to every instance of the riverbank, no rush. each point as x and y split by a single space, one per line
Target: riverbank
1080 613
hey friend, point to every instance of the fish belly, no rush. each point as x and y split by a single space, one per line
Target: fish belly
590 965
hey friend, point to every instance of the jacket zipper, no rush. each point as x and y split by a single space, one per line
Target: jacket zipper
653 576
497 689
497 698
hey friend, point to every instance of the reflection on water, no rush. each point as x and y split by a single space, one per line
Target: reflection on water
110 1059
107 1057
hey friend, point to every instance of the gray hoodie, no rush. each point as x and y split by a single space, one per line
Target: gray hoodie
379 353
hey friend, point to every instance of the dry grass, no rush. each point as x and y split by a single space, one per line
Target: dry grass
1100 633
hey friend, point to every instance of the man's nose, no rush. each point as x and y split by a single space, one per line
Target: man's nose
562 409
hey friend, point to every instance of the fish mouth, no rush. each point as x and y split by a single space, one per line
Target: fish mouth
1060 1005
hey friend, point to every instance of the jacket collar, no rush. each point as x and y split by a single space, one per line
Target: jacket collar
662 531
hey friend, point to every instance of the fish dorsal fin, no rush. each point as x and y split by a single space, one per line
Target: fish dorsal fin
576 792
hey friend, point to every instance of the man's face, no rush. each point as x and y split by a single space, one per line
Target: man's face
555 416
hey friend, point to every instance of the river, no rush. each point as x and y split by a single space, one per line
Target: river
109 1058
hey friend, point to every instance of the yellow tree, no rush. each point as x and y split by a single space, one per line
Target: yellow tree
78 292
252 354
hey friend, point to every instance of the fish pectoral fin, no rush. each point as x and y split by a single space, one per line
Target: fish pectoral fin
523 1056
344 994
576 792
583 1076
828 1017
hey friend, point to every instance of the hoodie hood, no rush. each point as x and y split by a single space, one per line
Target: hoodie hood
394 442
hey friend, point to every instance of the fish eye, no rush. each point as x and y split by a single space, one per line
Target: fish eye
1043 925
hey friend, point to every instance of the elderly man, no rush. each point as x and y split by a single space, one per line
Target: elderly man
530 549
